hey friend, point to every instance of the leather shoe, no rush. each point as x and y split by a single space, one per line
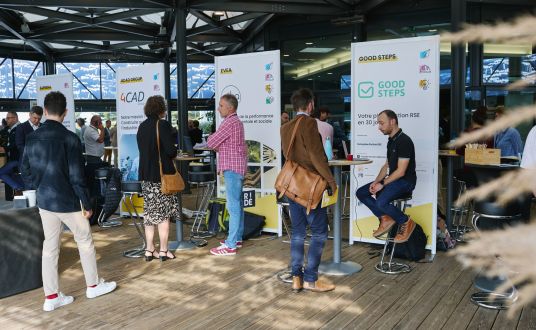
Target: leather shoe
386 222
404 231
321 285
297 283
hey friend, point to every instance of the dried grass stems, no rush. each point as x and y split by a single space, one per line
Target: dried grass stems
520 30
507 253
511 119
508 187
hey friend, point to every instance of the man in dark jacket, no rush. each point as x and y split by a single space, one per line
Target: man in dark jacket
33 123
53 164
307 151
9 173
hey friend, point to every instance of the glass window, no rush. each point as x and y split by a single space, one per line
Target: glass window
495 70
108 71
6 78
86 85
346 81
528 66
26 71
197 74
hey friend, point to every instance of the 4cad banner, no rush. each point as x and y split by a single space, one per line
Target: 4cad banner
401 75
134 86
254 79
58 83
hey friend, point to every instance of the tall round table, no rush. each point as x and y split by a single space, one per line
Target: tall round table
180 243
336 266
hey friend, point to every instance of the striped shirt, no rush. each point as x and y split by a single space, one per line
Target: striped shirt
230 143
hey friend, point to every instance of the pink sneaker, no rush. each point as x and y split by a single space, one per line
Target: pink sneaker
223 250
238 244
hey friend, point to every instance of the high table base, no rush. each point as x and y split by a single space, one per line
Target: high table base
181 245
339 268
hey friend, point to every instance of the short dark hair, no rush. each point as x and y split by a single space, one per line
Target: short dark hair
81 121
301 98
155 106
14 113
55 103
390 114
195 123
316 113
323 110
37 110
231 100
480 115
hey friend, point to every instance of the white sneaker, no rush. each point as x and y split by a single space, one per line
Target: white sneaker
60 300
100 289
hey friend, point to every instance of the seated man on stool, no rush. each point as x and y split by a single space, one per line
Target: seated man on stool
396 179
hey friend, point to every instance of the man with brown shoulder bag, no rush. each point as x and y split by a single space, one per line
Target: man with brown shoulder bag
302 145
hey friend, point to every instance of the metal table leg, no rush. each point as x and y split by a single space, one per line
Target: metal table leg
336 266
180 243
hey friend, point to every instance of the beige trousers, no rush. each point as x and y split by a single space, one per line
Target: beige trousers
52 228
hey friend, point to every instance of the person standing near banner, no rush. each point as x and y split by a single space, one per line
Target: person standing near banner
307 151
230 144
53 164
397 178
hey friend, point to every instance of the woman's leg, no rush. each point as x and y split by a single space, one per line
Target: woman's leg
163 234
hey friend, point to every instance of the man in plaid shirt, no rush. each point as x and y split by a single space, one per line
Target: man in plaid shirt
230 144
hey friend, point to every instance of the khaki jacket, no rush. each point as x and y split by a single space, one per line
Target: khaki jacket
307 149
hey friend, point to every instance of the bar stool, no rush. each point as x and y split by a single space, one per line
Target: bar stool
206 184
131 188
459 214
391 267
102 175
490 210
285 275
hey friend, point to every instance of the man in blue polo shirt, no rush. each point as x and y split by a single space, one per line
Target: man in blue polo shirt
397 178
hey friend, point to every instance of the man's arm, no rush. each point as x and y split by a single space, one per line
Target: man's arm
75 165
376 185
101 133
20 138
26 171
401 167
215 140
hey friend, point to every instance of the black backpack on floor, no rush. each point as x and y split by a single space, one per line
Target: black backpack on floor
414 249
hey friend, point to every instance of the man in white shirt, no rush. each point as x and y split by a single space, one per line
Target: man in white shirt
94 140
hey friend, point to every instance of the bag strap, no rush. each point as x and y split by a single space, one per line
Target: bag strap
293 135
158 144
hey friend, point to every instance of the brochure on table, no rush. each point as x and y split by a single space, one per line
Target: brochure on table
254 79
401 75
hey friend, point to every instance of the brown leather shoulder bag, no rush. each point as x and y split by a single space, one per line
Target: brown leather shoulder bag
297 183
171 183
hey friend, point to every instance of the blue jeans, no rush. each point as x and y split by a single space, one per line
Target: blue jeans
381 205
233 188
317 221
11 178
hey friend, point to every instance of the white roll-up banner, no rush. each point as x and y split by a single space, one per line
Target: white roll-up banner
401 75
254 79
58 83
134 86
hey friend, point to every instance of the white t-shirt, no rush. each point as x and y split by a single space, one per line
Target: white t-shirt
529 152
93 148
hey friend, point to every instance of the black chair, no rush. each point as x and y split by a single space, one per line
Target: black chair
391 267
103 176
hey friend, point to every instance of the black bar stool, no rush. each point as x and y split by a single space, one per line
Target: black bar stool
102 175
391 267
131 188
490 215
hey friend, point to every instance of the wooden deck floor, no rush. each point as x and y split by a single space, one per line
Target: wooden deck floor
200 291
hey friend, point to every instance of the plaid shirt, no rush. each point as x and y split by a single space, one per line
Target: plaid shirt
230 144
